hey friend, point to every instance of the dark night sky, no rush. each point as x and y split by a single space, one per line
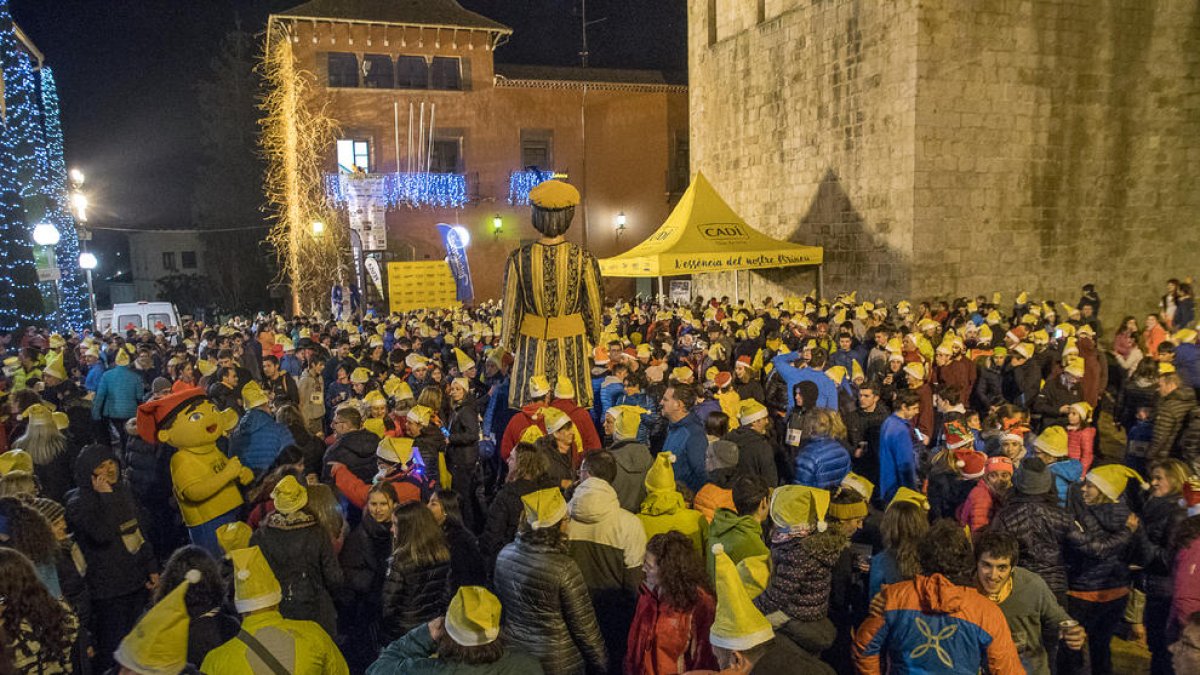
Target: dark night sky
126 71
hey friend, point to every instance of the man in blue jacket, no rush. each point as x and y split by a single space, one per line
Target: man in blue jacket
117 397
685 436
827 396
897 447
258 438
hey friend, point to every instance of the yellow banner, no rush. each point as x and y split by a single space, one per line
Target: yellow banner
426 284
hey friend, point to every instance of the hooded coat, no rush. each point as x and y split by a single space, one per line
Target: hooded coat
301 555
740 535
1042 529
666 511
257 440
633 461
107 527
357 451
755 455
1100 559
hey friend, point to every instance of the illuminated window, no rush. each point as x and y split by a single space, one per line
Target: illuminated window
353 153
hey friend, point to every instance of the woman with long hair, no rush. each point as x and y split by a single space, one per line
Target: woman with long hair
39 630
28 531
310 446
212 621
1125 345
675 610
1161 515
52 452
466 565
416 589
323 504
904 524
364 561
527 472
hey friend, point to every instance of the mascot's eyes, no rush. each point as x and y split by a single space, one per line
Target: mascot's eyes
195 417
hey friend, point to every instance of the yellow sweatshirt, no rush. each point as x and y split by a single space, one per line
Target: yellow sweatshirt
205 483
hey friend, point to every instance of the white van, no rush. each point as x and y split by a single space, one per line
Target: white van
154 316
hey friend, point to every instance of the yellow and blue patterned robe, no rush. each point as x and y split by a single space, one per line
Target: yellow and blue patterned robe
559 282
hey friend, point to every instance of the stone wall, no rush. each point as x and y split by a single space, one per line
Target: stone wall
943 147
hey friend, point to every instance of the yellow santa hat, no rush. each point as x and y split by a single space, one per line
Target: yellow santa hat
16 460
750 411
799 506
755 573
1075 366
1185 336
859 484
41 414
206 367
373 398
233 536
398 389
837 374
1024 350
563 388
1083 409
1111 479
856 371
1022 298
1165 367
465 362
554 419
682 375
395 449
544 508
661 476
539 386
253 395
122 358
738 624
360 376
626 420
915 370
420 414
254 582
375 425
473 618
906 494
416 361
54 367
289 495
158 644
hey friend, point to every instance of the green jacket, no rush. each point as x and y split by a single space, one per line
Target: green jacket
665 511
413 654
740 535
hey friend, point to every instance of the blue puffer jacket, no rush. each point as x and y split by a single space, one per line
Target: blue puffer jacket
257 440
118 395
822 463
1066 472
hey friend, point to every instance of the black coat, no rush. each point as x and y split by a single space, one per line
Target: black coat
364 561
1099 559
431 443
413 596
547 610
467 566
1052 398
1042 529
504 516
301 555
310 446
989 388
357 451
1160 516
755 454
946 492
54 477
107 527
462 448
1170 416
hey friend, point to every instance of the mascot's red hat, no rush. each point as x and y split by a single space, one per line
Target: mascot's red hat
152 414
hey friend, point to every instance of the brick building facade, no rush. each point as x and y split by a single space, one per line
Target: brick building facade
939 147
619 136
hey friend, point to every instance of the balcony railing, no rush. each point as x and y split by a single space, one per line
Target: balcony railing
414 190
521 182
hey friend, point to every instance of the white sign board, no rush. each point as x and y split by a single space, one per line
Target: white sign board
366 204
681 291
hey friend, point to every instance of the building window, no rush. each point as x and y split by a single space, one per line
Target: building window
445 73
412 72
679 172
353 154
169 261
447 155
343 70
188 260
377 71
537 149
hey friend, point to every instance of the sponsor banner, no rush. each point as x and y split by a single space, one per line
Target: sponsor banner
366 206
456 257
425 284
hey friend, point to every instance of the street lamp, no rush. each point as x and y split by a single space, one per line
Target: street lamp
76 177
79 204
620 221
88 262
318 228
45 234
497 225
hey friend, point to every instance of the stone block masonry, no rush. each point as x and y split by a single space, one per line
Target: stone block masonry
945 148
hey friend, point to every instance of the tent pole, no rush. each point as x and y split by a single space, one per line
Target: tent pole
660 290
736 295
820 281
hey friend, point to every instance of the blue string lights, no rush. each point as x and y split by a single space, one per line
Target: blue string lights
21 304
414 190
521 182
74 307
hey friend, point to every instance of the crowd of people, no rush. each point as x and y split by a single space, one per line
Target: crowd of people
796 485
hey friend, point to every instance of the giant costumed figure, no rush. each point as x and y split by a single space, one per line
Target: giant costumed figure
553 300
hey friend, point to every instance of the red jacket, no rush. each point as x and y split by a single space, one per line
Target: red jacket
408 488
1186 600
528 417
1079 445
977 511
582 419
664 640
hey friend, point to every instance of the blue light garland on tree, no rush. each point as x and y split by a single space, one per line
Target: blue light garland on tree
22 304
74 307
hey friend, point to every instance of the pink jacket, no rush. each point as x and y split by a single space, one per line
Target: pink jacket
1079 445
1187 584
976 512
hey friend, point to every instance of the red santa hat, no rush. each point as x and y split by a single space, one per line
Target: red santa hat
1191 497
970 463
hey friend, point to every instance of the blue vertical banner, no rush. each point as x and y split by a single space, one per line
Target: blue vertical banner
456 238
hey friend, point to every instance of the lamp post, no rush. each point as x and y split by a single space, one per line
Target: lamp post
45 238
497 225
619 221
88 262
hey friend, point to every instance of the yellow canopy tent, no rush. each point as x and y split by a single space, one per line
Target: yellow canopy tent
703 234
